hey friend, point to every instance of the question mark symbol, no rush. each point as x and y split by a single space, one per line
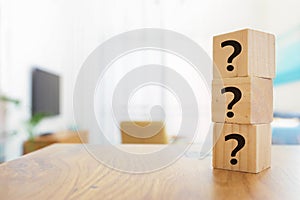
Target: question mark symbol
241 143
237 96
237 50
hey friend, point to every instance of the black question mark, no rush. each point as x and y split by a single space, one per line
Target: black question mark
237 50
241 143
237 96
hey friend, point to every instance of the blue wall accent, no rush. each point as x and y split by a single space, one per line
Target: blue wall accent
288 64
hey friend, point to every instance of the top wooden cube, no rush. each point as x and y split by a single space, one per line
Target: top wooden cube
244 53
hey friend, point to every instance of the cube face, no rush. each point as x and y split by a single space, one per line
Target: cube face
253 157
256 56
255 105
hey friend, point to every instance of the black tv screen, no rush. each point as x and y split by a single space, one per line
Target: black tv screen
45 93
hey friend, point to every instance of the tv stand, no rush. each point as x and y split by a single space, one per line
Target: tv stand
47 139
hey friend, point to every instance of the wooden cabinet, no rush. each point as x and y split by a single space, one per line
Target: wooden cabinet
59 137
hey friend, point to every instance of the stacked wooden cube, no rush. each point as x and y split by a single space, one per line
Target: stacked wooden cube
242 100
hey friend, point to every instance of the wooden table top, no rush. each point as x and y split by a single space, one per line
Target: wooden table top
67 171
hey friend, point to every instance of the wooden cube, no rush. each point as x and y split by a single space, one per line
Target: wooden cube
255 105
256 58
253 157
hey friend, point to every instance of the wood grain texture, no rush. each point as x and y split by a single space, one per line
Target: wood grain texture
254 157
255 105
69 172
257 57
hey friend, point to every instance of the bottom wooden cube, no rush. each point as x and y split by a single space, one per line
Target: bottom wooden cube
245 148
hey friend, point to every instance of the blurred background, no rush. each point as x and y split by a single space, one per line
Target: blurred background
43 44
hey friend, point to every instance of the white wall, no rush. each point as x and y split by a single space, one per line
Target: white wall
287 98
59 35
283 17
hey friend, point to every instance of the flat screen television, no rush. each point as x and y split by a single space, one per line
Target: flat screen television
45 93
